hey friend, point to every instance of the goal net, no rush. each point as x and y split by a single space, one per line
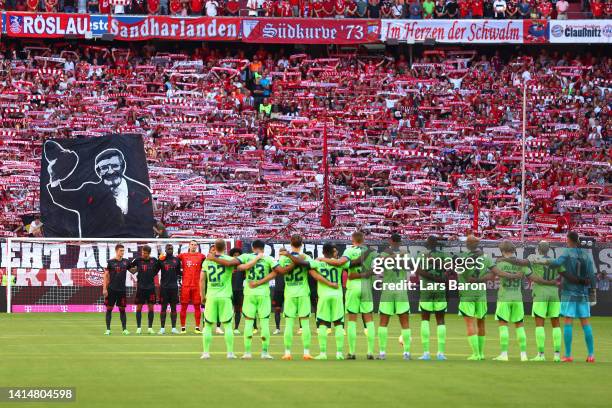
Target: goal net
61 275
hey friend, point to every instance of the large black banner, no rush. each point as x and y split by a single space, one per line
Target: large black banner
96 187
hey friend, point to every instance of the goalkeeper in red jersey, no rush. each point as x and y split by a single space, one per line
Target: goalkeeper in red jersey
191 265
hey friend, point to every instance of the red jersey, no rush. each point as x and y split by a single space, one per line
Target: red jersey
545 9
477 8
597 9
191 263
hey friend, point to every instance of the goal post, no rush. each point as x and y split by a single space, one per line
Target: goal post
66 275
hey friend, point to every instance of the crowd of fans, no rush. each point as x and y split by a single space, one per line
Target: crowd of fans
413 9
234 140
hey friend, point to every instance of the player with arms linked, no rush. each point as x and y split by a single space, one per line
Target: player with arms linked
113 288
191 265
168 288
145 268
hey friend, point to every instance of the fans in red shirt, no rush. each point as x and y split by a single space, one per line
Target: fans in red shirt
152 6
339 7
464 8
32 5
191 264
175 6
597 8
196 6
545 9
284 9
477 8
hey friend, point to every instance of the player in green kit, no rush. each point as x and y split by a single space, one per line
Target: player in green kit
217 295
475 268
297 298
510 301
393 299
358 297
433 296
546 302
330 307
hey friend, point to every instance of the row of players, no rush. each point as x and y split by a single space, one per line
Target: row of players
573 271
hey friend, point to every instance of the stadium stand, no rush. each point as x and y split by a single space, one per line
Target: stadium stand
234 139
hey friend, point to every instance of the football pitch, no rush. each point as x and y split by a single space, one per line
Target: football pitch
70 350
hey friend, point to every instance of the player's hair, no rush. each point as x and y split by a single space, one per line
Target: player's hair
296 241
258 243
543 247
328 249
573 237
395 237
507 247
220 245
118 247
431 242
146 249
358 237
169 246
235 252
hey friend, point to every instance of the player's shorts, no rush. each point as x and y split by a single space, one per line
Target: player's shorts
433 302
579 309
511 312
145 296
168 295
477 309
358 302
115 297
546 306
257 306
190 294
394 303
218 310
330 308
237 299
297 306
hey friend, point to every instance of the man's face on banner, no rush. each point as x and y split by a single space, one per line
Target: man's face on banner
111 171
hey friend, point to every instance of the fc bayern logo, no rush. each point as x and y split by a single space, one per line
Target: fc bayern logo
556 30
607 30
15 24
95 278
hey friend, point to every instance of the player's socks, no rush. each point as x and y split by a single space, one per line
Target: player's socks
229 338
237 317
588 339
504 337
371 335
198 315
521 336
481 344
151 316
567 339
339 333
473 341
383 335
265 335
322 336
207 337
123 319
407 336
162 319
441 333
556 336
173 316
183 314
248 335
138 318
351 332
277 319
425 336
109 316
540 335
306 335
288 336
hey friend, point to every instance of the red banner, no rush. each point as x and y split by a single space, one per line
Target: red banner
46 25
309 31
131 28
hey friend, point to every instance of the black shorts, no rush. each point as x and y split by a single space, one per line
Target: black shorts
167 295
278 298
115 297
237 299
145 296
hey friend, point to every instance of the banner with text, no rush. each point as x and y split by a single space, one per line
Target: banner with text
135 28
309 31
581 31
457 31
46 25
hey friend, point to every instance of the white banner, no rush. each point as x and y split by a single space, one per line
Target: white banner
580 31
453 31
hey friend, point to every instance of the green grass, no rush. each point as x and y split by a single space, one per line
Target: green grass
163 371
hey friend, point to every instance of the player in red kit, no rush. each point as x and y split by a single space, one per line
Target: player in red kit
191 264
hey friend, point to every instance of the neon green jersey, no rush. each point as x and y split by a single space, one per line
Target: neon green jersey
332 274
219 278
259 271
545 272
351 253
433 263
296 281
510 290
392 275
478 267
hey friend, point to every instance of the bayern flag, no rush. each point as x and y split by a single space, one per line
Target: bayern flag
16 23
